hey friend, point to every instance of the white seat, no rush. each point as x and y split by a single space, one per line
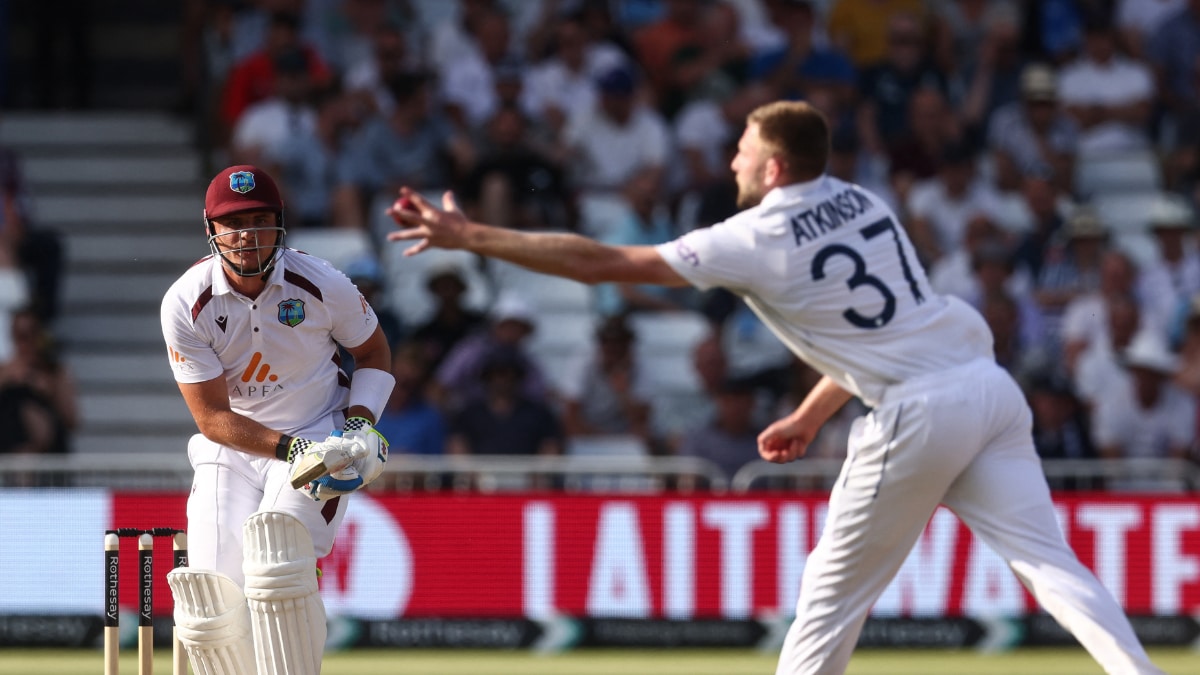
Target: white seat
1125 172
563 331
340 246
669 331
406 277
546 292
669 372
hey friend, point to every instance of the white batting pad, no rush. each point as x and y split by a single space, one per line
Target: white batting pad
212 622
286 611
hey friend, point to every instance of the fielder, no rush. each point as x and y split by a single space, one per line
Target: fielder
252 333
830 269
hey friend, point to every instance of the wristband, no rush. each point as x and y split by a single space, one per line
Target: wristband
283 447
289 448
371 388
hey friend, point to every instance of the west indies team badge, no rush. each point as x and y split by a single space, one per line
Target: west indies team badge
241 181
291 312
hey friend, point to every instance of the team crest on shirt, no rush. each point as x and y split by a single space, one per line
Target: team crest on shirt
241 181
291 312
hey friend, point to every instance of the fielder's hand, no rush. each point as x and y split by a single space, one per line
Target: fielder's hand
373 451
785 440
312 460
430 227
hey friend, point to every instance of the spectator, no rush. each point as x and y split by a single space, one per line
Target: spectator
253 79
676 414
1175 275
500 419
885 111
516 183
1174 51
366 81
704 129
38 399
1043 217
1147 415
863 29
988 72
955 272
730 438
1060 423
641 219
1015 351
1188 377
347 34
411 146
849 161
411 424
918 151
1096 367
940 208
1139 22
611 395
1071 265
1086 317
660 45
306 162
798 63
1109 95
451 320
30 257
284 116
1035 130
611 145
564 84
995 274
469 91
458 378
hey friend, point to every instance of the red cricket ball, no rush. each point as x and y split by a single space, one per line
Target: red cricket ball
404 204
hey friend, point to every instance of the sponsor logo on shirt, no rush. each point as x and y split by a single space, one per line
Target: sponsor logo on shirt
222 321
178 361
257 380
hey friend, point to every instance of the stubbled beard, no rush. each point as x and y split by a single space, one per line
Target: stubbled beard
748 196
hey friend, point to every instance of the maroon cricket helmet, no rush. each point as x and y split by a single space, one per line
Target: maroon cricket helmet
243 187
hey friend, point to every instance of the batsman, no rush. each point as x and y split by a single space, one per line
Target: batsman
252 334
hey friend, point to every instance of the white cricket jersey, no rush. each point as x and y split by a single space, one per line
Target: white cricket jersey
829 268
278 352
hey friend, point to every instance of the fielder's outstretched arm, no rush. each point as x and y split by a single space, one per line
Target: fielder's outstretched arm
564 255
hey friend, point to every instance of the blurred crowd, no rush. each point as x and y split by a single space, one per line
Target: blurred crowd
1044 155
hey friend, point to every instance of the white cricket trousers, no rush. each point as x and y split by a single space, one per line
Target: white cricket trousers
228 487
961 438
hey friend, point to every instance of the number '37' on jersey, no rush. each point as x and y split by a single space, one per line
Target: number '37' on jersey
830 269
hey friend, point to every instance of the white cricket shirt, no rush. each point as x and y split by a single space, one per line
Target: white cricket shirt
830 269
278 352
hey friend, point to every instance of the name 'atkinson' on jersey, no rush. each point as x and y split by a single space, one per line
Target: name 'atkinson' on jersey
829 215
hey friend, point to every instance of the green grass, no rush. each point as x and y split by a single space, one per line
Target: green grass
1031 661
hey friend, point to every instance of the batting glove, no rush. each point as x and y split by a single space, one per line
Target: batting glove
372 447
334 485
311 460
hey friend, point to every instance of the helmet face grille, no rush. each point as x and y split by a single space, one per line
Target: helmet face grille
246 252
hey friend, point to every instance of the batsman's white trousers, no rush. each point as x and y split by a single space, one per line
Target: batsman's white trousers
961 438
229 486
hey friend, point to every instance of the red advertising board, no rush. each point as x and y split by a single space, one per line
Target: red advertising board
676 557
